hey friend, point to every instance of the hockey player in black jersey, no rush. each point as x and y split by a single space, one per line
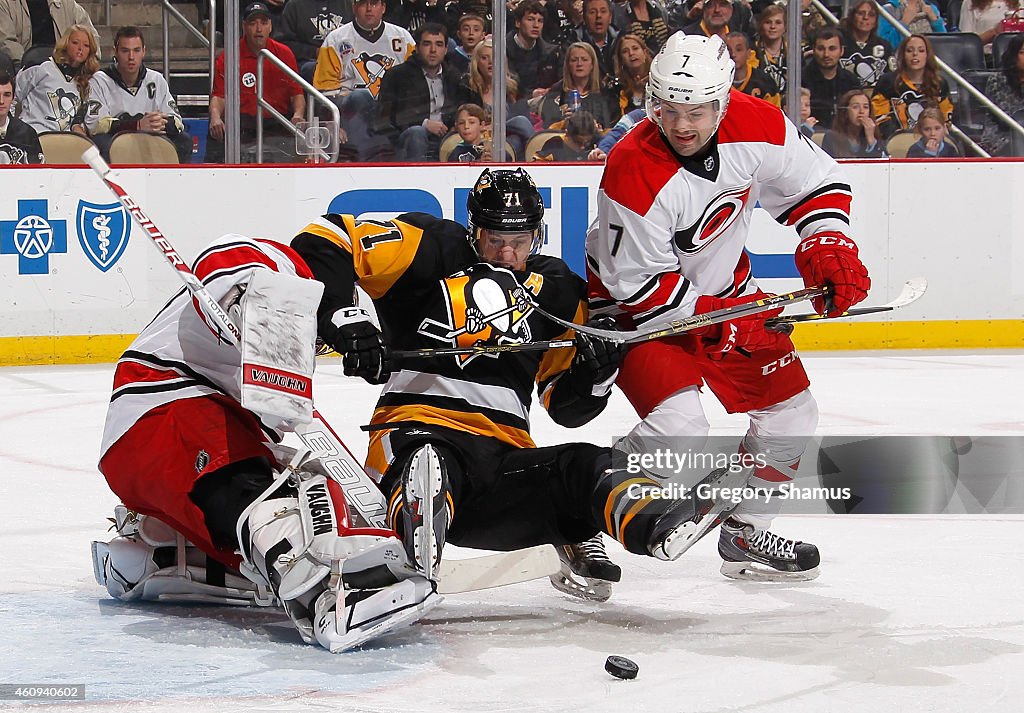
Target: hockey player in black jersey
450 437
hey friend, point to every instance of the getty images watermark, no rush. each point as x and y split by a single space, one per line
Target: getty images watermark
667 461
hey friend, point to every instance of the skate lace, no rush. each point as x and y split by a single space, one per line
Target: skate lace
592 549
772 545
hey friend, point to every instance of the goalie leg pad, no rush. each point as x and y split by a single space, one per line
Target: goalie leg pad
340 586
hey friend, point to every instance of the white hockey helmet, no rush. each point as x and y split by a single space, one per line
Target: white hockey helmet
690 69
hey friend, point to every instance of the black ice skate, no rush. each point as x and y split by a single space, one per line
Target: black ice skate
762 556
689 519
587 572
427 509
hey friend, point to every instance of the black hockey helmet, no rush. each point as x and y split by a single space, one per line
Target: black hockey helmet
506 201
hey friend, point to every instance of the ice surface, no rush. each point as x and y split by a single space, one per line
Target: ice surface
910 613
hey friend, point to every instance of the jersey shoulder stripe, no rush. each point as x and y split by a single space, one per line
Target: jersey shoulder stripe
638 168
752 120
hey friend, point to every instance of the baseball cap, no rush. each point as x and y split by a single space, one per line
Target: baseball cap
253 9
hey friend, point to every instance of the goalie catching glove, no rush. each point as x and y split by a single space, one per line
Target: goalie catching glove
831 259
743 333
351 333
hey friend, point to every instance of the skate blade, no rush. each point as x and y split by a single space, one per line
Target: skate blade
686 535
591 590
423 484
754 572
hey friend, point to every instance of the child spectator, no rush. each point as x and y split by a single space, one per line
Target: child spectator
470 122
808 123
770 45
469 35
18 141
747 79
933 144
581 132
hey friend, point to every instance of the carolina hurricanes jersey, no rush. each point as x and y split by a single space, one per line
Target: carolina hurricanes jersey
348 61
48 99
670 229
110 99
430 290
177 356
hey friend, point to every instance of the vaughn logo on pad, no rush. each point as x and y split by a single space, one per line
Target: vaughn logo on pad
103 231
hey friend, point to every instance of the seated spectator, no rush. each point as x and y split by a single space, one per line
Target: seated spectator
51 96
865 54
770 45
128 96
747 79
581 130
305 24
578 89
608 141
350 69
720 17
469 35
563 20
418 98
280 91
597 31
479 89
1006 90
854 133
471 121
18 141
934 141
825 78
808 124
454 9
414 14
985 18
632 67
39 23
645 20
535 61
918 16
901 96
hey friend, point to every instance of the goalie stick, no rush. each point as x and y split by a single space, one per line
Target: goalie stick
367 500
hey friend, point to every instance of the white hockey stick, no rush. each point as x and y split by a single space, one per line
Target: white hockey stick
361 492
912 291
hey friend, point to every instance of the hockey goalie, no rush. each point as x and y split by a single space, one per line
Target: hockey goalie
215 509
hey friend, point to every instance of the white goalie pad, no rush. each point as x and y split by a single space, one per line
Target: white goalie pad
278 323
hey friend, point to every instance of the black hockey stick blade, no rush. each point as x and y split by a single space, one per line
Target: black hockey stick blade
912 291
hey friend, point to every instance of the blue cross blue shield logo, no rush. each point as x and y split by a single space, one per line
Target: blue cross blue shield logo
34 237
103 230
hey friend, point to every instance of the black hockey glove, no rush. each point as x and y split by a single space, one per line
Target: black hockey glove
350 332
601 358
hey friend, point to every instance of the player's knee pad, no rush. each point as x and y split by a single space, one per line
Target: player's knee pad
150 561
333 580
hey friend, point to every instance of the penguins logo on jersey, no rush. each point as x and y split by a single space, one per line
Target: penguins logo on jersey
325 23
64 105
371 70
868 69
718 217
910 104
484 304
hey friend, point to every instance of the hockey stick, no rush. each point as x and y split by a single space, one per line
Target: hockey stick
366 498
912 291
679 326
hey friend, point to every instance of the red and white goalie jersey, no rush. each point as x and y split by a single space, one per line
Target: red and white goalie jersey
177 356
670 229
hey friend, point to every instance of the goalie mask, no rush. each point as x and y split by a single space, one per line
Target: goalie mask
688 90
506 217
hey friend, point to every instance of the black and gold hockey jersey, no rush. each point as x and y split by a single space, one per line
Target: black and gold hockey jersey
430 290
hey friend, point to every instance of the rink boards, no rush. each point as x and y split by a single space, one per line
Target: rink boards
81 280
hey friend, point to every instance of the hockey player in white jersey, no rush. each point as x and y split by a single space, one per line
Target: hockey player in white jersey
214 508
50 95
674 210
129 96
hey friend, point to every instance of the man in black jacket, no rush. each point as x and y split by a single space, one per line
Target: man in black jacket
417 100
825 78
18 140
535 61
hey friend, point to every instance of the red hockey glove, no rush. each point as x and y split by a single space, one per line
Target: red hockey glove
831 259
744 333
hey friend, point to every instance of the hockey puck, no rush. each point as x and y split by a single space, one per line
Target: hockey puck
621 667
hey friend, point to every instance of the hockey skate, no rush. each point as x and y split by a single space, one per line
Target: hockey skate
762 556
586 571
427 510
689 519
